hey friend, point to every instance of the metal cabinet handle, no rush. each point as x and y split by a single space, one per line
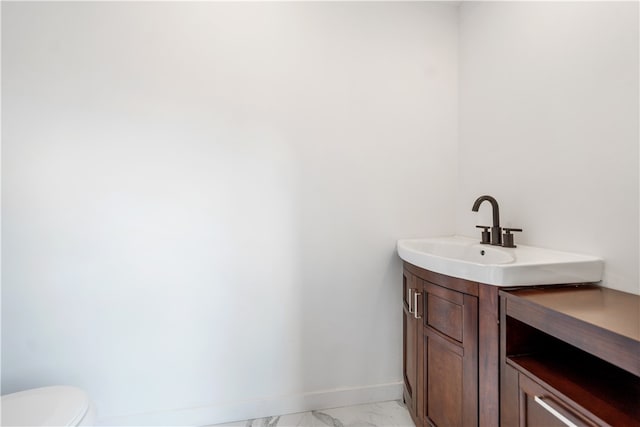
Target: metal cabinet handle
539 400
415 305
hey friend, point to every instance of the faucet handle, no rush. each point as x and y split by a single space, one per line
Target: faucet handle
486 236
507 237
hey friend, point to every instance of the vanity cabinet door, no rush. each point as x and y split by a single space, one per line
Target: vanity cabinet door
410 330
449 338
440 350
443 371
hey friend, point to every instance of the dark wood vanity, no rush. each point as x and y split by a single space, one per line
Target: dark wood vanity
481 355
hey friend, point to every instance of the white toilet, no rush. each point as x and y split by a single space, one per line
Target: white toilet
48 406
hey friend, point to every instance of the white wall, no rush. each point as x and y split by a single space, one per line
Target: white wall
201 200
549 126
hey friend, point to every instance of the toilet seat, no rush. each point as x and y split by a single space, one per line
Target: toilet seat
46 406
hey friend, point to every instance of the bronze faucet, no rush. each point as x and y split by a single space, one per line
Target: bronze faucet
496 231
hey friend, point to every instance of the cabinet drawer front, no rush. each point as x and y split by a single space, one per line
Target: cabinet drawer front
541 408
444 311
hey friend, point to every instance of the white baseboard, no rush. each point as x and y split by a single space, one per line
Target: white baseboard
259 408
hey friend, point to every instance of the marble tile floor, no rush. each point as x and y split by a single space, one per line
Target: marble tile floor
383 414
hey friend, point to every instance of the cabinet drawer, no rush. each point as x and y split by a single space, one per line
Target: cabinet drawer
444 311
542 408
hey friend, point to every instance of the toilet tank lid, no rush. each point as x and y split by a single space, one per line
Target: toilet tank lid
46 406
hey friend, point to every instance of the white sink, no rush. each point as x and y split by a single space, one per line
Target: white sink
466 258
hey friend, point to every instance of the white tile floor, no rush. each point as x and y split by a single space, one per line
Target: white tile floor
383 414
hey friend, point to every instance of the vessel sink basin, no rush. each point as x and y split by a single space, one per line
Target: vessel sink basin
466 258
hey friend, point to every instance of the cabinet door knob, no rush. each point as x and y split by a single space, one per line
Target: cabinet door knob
415 305
540 401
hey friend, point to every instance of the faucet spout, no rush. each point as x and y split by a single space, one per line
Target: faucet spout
494 207
496 231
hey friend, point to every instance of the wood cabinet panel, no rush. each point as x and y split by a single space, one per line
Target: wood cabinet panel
453 283
509 398
445 316
444 374
488 356
410 331
409 359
